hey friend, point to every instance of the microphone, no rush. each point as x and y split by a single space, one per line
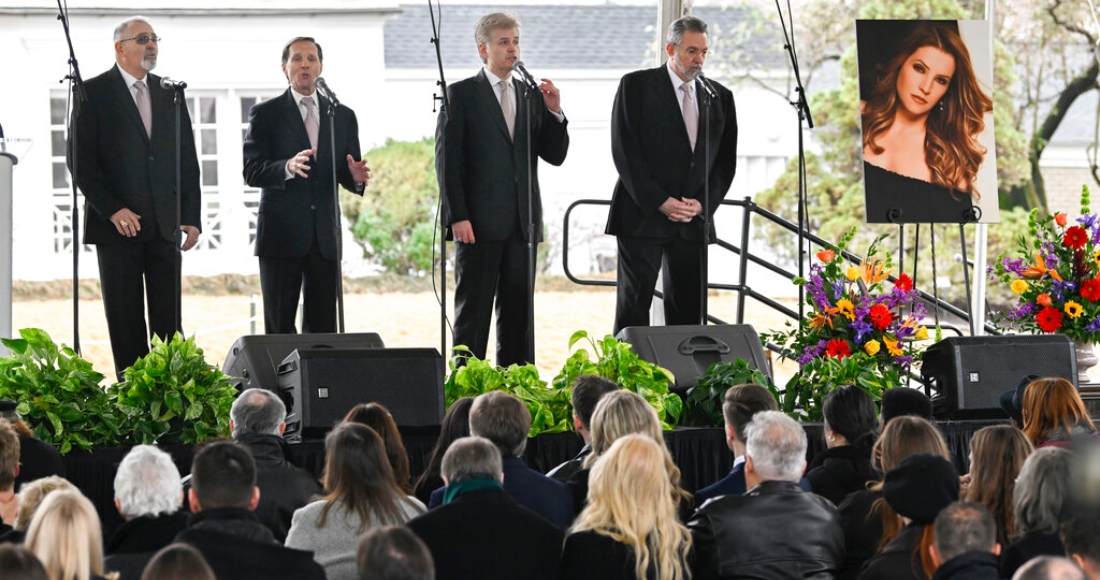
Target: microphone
524 76
325 91
171 85
706 85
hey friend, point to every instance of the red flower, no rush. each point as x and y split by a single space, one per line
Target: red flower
1076 237
1043 299
904 282
881 316
838 348
1049 319
1090 290
1060 218
826 256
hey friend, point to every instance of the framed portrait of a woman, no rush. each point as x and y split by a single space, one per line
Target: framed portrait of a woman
925 89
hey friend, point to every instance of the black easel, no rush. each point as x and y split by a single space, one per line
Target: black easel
441 228
79 97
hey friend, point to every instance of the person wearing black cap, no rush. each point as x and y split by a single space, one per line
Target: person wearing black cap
37 459
917 489
1012 402
966 545
904 401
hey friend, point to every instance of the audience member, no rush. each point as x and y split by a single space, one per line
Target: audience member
1081 536
1051 568
1054 414
869 522
965 546
257 420
1040 504
1012 402
378 417
480 531
629 529
178 562
362 494
37 459
148 496
741 403
617 414
917 489
456 424
905 402
18 563
393 553
851 427
224 528
506 421
9 469
32 496
776 529
996 456
587 391
65 535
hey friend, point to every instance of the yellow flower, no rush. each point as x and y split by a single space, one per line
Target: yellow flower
1019 286
871 347
1073 309
853 272
1096 257
921 334
892 346
846 308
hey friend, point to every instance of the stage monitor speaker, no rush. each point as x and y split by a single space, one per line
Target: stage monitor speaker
254 359
969 373
325 383
688 351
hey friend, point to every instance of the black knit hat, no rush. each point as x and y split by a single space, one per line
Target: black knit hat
920 486
1013 401
7 409
903 401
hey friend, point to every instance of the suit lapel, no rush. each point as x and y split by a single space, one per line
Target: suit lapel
487 99
123 95
670 100
293 120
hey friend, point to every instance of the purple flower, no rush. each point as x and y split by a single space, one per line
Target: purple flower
1059 288
1014 266
904 331
1093 326
862 328
1022 311
1087 221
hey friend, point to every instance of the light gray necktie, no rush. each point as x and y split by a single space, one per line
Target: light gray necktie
691 116
507 108
145 108
313 125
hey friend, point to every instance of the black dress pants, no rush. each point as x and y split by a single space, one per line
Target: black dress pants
284 280
485 271
640 260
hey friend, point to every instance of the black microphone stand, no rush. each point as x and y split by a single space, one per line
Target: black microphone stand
330 111
177 102
704 265
803 108
76 88
529 95
441 230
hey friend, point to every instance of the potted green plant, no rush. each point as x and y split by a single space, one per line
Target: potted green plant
57 392
703 401
173 395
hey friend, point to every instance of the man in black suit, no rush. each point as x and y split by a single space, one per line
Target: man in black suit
126 168
482 164
287 153
665 131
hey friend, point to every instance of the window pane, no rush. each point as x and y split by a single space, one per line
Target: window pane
57 143
210 172
60 176
246 104
57 111
209 142
209 110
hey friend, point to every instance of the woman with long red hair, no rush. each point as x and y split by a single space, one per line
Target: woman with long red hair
1054 414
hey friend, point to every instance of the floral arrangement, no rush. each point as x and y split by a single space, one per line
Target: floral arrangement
1056 274
860 330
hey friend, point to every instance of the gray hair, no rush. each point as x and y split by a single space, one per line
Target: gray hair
122 27
471 457
963 527
1049 568
683 24
777 446
257 412
483 29
147 483
502 419
1042 498
393 553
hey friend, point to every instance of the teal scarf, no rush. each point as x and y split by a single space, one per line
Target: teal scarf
457 488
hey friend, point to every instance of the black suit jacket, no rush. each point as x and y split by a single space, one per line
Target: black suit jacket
482 173
292 210
119 166
653 154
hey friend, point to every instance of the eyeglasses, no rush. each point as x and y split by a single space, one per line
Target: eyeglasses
143 39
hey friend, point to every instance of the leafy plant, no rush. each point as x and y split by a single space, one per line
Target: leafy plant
703 403
617 362
57 392
173 391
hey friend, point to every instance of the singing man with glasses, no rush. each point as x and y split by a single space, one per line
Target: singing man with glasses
126 168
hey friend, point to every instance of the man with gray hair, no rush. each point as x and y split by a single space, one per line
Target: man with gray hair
1051 568
776 529
965 544
393 553
674 142
480 531
257 421
506 421
148 495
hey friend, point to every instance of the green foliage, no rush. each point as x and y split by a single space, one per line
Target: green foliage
617 362
703 404
394 220
57 392
173 391
805 392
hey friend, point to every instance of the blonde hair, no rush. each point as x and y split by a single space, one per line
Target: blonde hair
630 500
66 537
31 495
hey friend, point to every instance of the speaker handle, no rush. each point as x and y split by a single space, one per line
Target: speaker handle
286 367
702 343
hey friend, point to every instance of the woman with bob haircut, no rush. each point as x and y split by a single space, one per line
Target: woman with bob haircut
997 455
920 127
378 417
629 530
851 427
66 536
361 494
1041 503
1054 413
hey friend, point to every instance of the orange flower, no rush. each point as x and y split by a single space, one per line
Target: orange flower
1043 299
873 273
1060 218
1039 269
826 256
